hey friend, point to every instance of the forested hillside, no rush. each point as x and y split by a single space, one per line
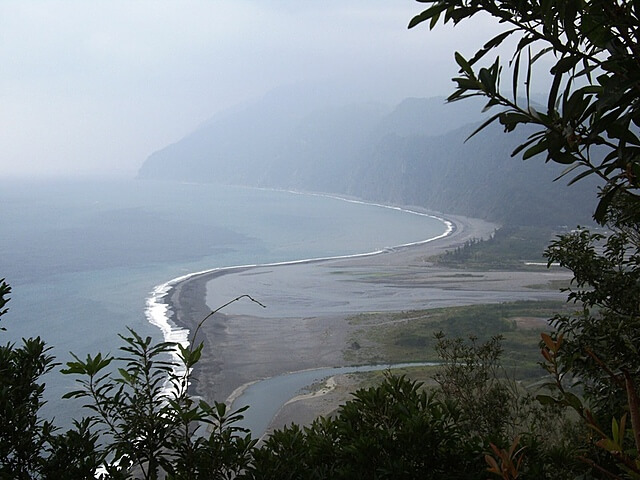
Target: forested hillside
412 154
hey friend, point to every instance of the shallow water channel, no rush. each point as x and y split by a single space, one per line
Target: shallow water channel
266 397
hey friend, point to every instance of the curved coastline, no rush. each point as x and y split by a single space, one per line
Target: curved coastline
160 310
312 303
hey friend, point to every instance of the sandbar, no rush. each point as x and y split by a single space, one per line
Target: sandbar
304 324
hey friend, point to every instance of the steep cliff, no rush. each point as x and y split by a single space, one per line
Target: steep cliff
412 154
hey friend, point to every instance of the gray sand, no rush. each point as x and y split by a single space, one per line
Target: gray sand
304 324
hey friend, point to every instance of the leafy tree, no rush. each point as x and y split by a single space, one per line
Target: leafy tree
402 429
149 425
394 430
590 124
592 110
598 347
144 423
30 447
504 414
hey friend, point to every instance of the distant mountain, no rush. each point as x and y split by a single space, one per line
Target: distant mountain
478 178
412 154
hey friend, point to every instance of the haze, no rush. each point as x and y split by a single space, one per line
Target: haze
93 88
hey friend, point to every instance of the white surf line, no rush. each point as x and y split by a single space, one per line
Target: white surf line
448 223
158 311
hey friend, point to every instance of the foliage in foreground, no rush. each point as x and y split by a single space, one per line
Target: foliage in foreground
31 447
590 123
400 429
396 429
147 421
592 113
143 423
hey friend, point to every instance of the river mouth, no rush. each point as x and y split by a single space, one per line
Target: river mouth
266 397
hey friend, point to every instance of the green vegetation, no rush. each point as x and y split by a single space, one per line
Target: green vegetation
143 423
509 248
31 447
412 336
588 124
590 119
394 430
474 421
399 429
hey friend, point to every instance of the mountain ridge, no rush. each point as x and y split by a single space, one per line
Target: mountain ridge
412 154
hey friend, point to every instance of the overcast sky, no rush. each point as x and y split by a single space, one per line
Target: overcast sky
94 87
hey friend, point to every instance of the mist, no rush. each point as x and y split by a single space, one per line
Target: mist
93 88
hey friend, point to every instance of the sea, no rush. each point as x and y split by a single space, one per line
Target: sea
84 257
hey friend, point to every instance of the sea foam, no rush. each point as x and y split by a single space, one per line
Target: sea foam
158 309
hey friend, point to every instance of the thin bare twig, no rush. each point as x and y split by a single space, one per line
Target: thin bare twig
213 312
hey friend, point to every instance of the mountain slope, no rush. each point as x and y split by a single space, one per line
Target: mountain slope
412 154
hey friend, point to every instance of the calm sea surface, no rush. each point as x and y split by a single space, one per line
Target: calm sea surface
82 257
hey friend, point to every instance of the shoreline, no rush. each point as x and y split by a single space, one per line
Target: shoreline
166 308
182 302
306 324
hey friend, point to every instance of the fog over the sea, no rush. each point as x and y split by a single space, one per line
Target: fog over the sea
94 87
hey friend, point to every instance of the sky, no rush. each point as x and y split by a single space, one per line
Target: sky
94 87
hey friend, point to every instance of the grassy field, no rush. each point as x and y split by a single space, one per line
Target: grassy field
510 248
410 336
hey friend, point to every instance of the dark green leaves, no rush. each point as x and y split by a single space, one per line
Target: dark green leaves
536 149
26 439
141 406
5 290
91 366
594 77
431 15
464 65
393 430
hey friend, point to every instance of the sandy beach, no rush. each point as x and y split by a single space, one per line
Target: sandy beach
304 323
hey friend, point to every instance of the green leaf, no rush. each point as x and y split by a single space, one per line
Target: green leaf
464 65
484 125
564 158
427 15
603 205
546 400
566 171
573 401
75 394
622 132
510 120
127 377
491 44
540 54
580 176
564 65
498 39
608 445
486 78
538 148
434 21
468 84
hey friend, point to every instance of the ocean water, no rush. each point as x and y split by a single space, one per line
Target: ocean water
84 257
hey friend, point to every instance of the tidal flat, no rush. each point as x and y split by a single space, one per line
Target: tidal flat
309 322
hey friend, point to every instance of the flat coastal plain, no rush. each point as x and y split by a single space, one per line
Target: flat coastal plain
304 324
